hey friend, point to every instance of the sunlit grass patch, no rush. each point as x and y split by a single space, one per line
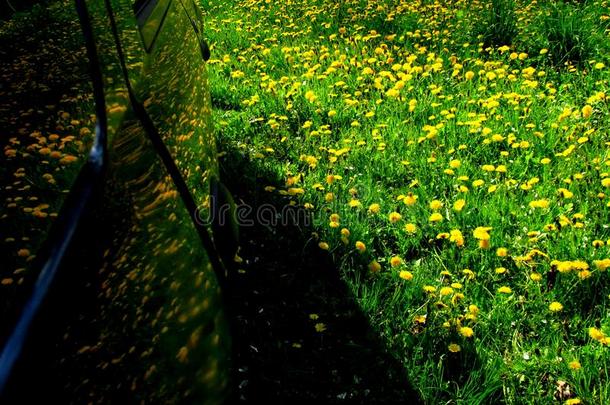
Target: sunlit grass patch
459 181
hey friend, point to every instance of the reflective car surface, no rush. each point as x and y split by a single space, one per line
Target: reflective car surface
135 312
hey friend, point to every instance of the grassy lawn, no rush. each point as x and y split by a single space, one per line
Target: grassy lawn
454 158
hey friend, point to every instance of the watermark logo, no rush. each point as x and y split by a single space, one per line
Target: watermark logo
246 215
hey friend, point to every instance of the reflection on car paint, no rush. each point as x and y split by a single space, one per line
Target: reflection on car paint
46 119
171 83
170 340
155 330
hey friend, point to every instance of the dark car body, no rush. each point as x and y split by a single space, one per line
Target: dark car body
125 303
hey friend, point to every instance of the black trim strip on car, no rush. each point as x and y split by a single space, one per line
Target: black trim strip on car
60 236
203 45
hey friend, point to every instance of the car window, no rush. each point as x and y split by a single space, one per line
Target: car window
150 16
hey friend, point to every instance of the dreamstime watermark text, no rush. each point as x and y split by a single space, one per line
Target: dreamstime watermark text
244 214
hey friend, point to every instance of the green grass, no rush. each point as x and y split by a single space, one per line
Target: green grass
571 34
350 109
390 95
499 27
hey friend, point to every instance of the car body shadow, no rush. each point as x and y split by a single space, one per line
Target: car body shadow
298 332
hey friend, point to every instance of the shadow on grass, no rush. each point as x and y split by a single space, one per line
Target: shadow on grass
284 283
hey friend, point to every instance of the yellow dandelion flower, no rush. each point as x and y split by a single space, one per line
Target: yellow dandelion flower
543 203
435 217
454 348
574 365
331 178
596 334
459 205
354 203
446 291
394 217
555 306
501 252
565 193
392 93
310 96
436 205
602 265
374 208
421 319
468 273
482 232
406 275
410 199
466 331
457 237
374 266
505 290
411 228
